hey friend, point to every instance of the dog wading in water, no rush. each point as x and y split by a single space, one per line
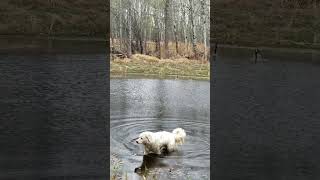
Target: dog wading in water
159 141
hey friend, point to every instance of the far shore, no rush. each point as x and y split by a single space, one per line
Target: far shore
284 47
54 37
278 47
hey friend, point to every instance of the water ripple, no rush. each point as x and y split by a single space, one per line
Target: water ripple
126 129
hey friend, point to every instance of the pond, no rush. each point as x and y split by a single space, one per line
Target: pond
53 110
138 105
266 115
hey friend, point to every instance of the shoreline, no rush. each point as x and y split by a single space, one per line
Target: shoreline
267 47
155 76
57 37
105 39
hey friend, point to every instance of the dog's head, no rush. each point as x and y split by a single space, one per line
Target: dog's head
144 138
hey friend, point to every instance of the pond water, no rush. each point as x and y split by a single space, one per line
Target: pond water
53 111
138 105
266 115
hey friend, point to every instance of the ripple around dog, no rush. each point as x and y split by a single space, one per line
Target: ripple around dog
196 149
139 105
127 129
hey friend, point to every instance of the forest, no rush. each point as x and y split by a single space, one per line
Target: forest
54 17
276 23
160 25
161 28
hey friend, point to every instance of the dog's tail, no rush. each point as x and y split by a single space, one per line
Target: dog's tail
180 134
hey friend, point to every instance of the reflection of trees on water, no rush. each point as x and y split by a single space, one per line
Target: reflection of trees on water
315 55
124 100
160 103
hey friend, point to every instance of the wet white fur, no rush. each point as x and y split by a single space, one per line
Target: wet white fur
154 142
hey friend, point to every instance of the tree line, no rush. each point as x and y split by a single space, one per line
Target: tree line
54 17
287 23
166 24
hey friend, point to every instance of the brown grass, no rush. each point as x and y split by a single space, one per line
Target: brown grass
184 50
144 65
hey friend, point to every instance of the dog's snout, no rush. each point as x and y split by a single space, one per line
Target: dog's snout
137 141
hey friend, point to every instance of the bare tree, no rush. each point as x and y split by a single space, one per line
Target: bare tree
192 27
167 22
147 25
129 31
316 23
204 19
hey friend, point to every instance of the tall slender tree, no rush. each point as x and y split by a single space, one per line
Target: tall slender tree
159 27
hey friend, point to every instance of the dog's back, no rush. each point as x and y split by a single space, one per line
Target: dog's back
180 135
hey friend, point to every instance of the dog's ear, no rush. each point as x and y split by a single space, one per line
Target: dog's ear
148 137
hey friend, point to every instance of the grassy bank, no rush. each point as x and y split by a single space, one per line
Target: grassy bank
149 66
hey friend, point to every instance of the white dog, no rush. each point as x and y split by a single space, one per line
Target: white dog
156 142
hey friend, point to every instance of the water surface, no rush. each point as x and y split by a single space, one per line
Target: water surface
138 105
53 114
266 115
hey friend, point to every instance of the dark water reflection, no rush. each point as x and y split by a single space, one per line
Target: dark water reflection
139 105
53 115
266 115
36 45
244 55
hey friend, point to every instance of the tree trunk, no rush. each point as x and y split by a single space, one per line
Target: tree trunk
141 45
176 38
145 41
205 42
120 25
184 28
158 36
315 38
193 28
166 30
141 28
129 32
53 20
204 29
316 15
112 40
293 14
184 25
